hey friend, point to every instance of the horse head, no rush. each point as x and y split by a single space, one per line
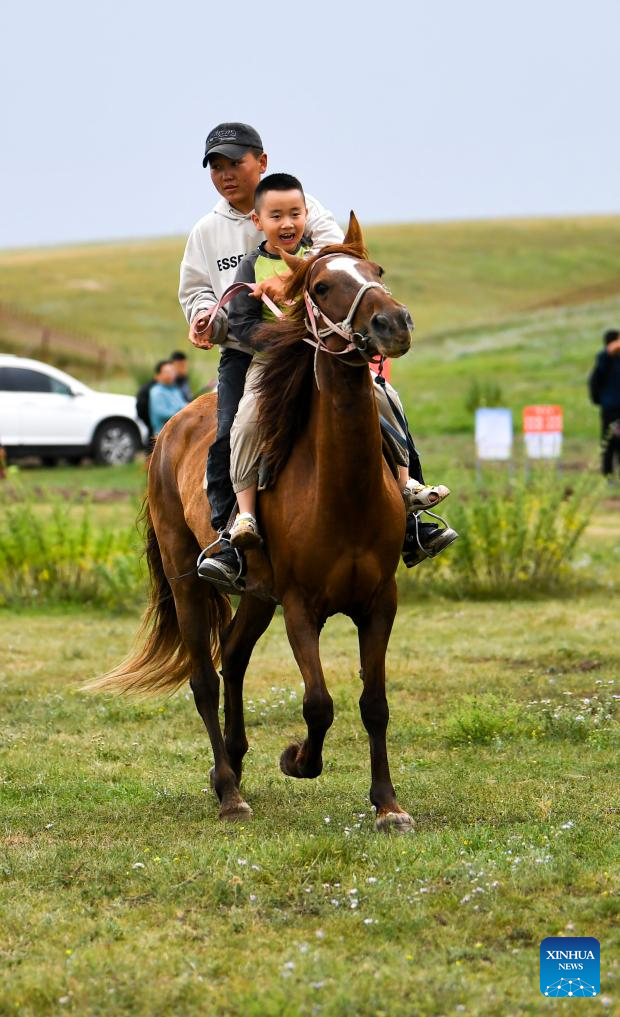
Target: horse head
344 290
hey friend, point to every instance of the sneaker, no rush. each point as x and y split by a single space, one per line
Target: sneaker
419 497
224 569
433 540
244 533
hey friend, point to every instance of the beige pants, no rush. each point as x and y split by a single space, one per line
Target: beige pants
245 449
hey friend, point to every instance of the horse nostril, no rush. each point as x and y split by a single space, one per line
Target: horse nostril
380 323
407 320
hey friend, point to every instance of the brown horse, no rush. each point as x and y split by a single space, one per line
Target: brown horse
333 521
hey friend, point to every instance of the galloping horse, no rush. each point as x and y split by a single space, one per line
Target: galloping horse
333 522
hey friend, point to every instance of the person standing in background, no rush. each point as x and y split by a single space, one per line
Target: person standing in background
604 383
181 365
142 401
165 397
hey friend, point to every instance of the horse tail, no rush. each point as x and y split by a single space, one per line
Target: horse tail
161 661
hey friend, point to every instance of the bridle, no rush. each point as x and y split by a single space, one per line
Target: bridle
355 340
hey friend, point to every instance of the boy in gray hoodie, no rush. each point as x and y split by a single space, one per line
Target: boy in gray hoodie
215 247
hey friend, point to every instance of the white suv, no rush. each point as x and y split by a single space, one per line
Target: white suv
45 412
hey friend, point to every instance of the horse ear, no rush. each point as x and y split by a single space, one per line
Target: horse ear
354 236
291 260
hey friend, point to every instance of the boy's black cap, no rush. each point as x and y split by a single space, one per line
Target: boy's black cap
231 140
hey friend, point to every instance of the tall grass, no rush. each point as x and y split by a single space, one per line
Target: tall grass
59 554
515 537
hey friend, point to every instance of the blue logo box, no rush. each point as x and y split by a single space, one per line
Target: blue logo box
570 966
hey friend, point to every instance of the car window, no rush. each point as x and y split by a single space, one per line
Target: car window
59 387
22 379
6 382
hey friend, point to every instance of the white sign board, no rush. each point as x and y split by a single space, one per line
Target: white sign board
493 434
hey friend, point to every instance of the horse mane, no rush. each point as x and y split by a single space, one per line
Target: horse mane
284 390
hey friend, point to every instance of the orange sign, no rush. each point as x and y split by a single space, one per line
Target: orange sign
543 420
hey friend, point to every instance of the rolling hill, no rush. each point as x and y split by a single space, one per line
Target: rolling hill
517 303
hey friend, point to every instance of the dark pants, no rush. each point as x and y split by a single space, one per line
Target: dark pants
415 466
610 444
230 381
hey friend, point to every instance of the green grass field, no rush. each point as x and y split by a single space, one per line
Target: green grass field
120 891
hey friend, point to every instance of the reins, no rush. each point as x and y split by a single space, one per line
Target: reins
232 291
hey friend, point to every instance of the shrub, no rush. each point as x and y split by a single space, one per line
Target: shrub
515 537
483 393
481 721
61 556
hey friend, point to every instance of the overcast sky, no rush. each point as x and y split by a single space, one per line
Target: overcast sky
403 111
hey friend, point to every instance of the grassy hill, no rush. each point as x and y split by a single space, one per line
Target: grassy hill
520 303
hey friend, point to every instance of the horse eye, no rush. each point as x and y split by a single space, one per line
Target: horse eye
380 270
320 289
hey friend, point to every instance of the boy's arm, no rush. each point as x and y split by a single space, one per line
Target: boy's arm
321 227
196 294
245 311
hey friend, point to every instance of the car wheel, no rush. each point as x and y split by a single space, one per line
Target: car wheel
115 443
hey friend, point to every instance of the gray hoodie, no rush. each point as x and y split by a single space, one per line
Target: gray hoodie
216 246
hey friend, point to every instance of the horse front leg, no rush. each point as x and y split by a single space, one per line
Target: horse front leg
306 760
374 632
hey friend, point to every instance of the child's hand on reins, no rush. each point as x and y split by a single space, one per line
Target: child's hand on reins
274 287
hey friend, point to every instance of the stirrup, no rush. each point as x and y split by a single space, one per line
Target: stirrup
416 516
222 537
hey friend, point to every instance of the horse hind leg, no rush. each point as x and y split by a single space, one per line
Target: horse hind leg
374 633
238 641
306 760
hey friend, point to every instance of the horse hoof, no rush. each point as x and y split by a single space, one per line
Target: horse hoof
394 822
236 812
288 760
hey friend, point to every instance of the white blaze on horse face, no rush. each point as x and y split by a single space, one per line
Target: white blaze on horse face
342 263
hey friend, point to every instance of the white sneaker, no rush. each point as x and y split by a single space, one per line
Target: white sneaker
419 497
244 533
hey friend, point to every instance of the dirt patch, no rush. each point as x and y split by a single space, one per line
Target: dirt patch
90 285
588 665
582 295
96 495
